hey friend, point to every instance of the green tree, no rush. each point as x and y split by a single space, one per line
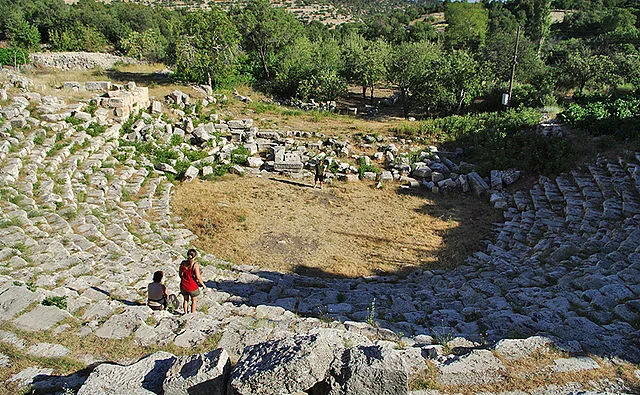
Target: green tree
266 30
309 70
21 33
408 67
149 45
466 24
365 62
207 48
497 56
77 38
586 70
536 15
452 81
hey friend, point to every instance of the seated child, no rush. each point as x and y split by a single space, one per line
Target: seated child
157 292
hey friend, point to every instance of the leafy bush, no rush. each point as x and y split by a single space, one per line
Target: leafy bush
606 115
39 139
176 139
496 140
240 155
94 130
92 107
13 56
363 168
163 155
58 301
73 120
194 155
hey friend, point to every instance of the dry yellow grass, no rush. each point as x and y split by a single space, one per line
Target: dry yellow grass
343 230
535 372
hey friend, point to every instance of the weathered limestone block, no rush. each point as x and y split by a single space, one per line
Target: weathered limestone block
255 162
198 374
514 349
478 367
290 162
290 365
478 185
13 300
144 377
369 370
422 172
496 180
191 173
575 364
41 318
240 123
103 86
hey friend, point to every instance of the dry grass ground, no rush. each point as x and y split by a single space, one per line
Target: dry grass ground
536 372
343 230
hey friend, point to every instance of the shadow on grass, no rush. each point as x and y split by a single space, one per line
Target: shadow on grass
139 78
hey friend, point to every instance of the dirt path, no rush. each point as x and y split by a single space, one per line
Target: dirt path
345 229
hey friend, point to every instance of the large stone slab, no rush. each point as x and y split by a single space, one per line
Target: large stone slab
477 368
478 185
122 325
320 363
144 377
29 375
369 370
286 366
13 300
41 318
204 374
514 349
48 350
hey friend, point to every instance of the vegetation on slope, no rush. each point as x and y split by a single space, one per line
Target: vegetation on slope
461 67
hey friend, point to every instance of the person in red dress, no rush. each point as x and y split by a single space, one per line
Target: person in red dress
190 280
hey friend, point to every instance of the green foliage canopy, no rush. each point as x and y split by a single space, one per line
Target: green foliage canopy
207 48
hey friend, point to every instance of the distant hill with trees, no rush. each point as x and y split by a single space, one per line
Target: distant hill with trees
591 55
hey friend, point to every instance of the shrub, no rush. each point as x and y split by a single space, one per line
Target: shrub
73 120
13 56
176 139
363 168
92 107
496 140
58 301
39 139
606 115
94 130
240 155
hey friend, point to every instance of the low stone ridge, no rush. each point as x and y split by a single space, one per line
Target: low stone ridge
317 363
77 60
85 218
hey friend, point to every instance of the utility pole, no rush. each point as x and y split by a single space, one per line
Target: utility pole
507 102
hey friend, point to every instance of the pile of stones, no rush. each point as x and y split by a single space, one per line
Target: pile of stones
85 220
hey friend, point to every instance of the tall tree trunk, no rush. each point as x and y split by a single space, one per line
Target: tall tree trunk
364 91
405 102
263 60
371 87
463 94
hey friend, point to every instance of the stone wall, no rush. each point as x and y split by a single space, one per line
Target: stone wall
77 60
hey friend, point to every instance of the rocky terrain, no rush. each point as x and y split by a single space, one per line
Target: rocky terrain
85 219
